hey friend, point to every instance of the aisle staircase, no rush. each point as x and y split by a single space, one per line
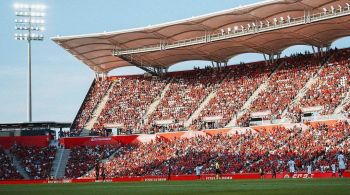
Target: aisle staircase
96 112
313 79
59 164
205 102
16 162
156 102
252 98
247 104
345 101
196 113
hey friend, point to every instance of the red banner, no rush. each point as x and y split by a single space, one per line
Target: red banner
70 142
180 178
41 141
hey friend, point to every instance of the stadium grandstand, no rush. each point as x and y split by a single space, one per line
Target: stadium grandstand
274 118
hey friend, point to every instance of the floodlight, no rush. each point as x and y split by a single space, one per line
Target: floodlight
228 29
29 23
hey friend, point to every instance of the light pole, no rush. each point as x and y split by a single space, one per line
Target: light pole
29 24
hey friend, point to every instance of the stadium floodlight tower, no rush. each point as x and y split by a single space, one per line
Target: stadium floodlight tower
29 25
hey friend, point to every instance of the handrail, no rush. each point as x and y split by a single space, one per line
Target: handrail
238 32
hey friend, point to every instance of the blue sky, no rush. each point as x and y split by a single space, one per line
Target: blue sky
60 82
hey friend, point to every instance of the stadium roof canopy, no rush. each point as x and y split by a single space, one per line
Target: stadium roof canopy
266 27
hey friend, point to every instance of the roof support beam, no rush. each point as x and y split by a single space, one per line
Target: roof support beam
155 71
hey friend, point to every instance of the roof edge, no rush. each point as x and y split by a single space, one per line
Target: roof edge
150 27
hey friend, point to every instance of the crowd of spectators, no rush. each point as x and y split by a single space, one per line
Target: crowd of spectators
330 88
84 158
94 96
346 109
237 153
36 161
283 86
316 146
186 92
132 96
233 92
7 169
128 103
244 152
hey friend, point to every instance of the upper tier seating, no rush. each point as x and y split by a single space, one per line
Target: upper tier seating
283 86
98 90
187 91
130 99
330 89
233 92
128 103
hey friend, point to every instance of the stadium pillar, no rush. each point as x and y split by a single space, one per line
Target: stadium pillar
272 58
319 51
29 109
266 61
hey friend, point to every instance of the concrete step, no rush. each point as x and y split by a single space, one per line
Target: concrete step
303 91
17 163
59 164
247 104
156 102
252 98
200 108
345 101
205 102
96 112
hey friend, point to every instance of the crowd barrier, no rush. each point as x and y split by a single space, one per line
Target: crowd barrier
316 175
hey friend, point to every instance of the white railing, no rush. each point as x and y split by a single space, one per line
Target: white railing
239 32
324 117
